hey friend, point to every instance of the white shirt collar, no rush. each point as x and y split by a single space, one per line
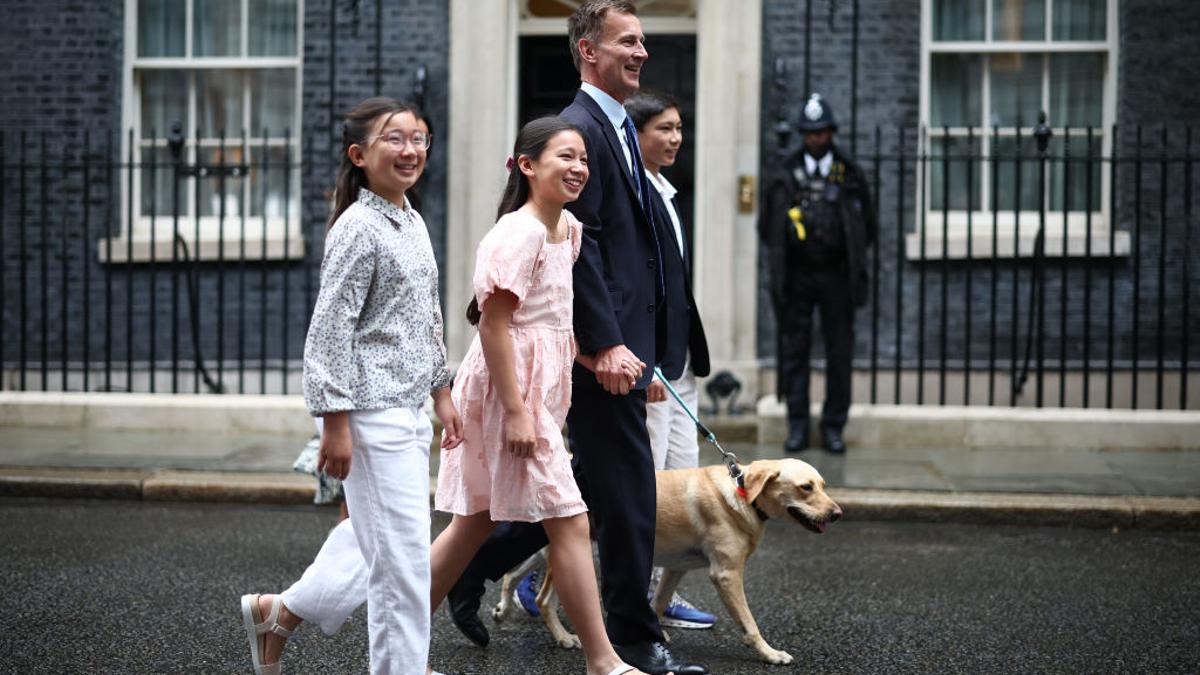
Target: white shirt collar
613 110
663 185
824 164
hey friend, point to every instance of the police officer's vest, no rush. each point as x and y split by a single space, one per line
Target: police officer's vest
816 234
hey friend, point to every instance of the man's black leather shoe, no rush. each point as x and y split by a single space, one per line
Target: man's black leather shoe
656 659
796 442
832 441
463 603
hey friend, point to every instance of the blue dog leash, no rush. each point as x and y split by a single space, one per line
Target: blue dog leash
731 460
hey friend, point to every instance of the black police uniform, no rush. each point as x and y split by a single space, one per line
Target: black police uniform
816 229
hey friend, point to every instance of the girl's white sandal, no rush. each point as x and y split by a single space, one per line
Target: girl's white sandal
257 627
622 668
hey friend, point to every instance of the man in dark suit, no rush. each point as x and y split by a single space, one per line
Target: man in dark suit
619 317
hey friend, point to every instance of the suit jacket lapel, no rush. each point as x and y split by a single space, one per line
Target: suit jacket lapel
610 135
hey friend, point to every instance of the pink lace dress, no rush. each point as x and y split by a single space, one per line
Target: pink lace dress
481 474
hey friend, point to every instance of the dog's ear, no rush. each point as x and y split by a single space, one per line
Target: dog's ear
757 478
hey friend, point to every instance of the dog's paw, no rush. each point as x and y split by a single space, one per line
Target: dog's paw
775 656
569 641
499 612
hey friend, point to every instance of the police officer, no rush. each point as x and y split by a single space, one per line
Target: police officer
817 224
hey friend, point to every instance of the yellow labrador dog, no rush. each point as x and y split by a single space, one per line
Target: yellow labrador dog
703 523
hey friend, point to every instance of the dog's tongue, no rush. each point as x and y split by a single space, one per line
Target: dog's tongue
821 528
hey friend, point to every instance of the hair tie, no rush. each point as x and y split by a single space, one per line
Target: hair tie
508 164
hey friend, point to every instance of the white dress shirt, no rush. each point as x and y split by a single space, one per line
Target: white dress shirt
667 192
824 164
615 112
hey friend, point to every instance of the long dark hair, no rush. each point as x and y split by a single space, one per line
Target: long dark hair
531 142
356 126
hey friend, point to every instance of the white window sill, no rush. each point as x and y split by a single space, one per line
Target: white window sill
275 246
954 247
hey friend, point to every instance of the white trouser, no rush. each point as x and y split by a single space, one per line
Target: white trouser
672 432
381 553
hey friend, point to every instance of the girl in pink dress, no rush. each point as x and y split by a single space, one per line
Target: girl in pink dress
514 386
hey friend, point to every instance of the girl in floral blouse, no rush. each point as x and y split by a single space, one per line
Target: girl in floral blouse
373 355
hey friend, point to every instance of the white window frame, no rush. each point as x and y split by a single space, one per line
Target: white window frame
284 236
1074 227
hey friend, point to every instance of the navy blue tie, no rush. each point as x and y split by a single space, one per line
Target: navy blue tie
643 192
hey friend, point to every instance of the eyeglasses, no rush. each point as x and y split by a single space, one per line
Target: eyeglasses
399 139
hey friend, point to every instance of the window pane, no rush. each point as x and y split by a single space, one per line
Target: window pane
217 28
272 28
219 102
272 101
160 28
956 90
268 182
1080 20
1077 155
158 175
1008 165
948 161
1018 20
163 100
213 188
1076 90
1016 89
958 19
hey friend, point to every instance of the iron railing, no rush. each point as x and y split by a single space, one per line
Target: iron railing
1013 266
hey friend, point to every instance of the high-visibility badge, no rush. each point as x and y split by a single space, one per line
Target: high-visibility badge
798 222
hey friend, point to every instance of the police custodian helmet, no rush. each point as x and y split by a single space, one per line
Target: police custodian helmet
816 115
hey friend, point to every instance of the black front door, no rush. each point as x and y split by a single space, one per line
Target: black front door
548 82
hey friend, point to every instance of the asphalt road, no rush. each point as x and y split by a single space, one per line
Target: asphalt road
128 587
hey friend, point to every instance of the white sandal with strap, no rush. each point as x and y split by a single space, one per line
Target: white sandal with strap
257 627
622 668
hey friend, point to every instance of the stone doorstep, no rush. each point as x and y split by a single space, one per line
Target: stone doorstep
1128 512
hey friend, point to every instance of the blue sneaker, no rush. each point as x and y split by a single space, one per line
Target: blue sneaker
526 593
681 614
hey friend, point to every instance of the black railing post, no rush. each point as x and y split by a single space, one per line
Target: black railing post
193 268
264 178
223 188
1188 160
875 268
1112 272
899 261
1162 273
111 193
945 265
1063 295
287 226
129 211
176 145
807 48
44 269
1014 335
1137 267
923 154
3 252
969 305
151 270
246 197
994 313
1042 133
1087 271
64 304
84 246
23 266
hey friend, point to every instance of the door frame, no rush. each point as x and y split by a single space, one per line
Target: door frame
483 113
